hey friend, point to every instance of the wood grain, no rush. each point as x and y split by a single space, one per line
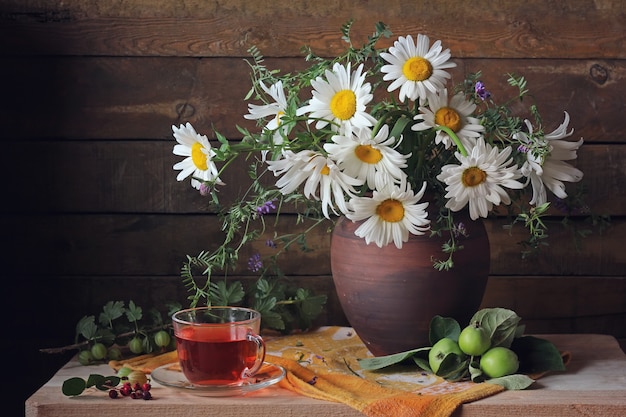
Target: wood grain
577 29
131 98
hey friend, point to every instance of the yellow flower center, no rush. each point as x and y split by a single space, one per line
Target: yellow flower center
390 210
279 115
448 117
368 154
198 157
417 69
325 170
473 176
343 104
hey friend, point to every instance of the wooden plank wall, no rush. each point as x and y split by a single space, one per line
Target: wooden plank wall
92 211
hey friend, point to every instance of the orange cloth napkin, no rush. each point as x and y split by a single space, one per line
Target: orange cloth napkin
323 364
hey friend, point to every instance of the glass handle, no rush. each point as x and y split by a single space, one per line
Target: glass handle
260 353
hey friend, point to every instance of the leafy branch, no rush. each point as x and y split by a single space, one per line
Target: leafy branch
120 329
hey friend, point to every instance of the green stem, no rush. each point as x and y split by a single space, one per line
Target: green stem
454 137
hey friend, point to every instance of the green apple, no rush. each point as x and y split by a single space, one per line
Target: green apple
499 361
440 349
474 340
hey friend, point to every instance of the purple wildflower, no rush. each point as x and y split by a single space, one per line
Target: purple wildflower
460 230
266 208
255 263
205 189
523 148
270 243
481 91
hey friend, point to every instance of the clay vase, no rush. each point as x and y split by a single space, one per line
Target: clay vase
389 295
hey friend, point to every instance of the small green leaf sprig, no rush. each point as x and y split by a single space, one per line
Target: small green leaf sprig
76 385
536 355
133 384
121 330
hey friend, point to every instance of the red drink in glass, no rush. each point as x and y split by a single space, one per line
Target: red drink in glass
215 356
218 345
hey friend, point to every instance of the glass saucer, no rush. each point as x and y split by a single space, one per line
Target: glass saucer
269 374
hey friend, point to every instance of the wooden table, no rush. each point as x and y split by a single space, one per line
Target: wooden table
593 385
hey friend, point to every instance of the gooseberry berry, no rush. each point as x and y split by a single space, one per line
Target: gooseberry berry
136 345
98 351
162 338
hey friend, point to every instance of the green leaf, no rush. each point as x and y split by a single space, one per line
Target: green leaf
309 306
111 311
379 362
422 362
95 380
224 294
107 383
134 312
272 320
476 374
87 327
512 382
537 355
263 286
173 307
500 323
441 327
265 305
105 336
312 306
453 367
73 386
221 138
399 126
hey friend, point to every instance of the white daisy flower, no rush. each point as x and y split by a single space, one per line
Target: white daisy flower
340 100
199 157
274 110
322 178
545 156
390 215
371 160
415 67
453 113
480 179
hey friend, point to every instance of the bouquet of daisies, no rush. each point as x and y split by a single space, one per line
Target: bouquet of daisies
378 135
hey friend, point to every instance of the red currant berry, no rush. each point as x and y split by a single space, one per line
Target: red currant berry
137 387
147 395
112 393
125 390
146 386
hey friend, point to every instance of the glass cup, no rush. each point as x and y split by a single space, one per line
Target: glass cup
218 345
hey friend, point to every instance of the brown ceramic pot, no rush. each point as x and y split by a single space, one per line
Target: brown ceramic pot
389 295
